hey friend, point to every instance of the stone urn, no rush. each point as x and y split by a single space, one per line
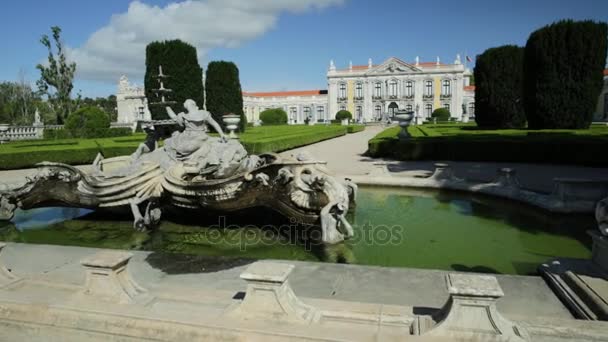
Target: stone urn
3 132
404 119
232 123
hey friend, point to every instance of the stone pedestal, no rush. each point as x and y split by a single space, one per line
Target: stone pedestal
470 312
443 172
6 276
506 177
108 279
269 295
600 249
380 169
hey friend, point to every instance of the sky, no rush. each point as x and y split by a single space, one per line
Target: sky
277 44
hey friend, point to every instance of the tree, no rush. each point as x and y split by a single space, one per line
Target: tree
17 103
56 79
343 115
563 65
274 116
224 94
179 62
87 122
499 89
441 114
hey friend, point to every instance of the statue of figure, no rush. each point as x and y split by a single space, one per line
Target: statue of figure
200 152
601 215
37 120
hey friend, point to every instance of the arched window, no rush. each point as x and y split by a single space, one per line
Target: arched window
428 88
342 91
428 110
446 88
359 90
359 113
392 88
409 88
342 107
378 111
293 112
472 108
378 89
446 106
408 108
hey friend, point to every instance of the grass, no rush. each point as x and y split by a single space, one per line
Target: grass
83 151
467 142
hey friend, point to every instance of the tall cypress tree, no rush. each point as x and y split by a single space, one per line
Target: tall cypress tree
563 66
185 76
499 88
223 91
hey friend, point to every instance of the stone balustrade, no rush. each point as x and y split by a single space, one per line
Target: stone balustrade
15 133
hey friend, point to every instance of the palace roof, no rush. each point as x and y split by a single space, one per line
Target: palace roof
286 93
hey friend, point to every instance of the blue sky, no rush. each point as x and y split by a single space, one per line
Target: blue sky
278 44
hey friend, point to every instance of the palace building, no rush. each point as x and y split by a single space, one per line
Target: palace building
373 92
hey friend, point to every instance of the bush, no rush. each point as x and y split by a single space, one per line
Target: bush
343 115
274 116
441 114
223 92
563 65
499 89
87 122
180 62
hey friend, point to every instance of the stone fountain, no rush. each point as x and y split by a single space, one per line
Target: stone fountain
196 173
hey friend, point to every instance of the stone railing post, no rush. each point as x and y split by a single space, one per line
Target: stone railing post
379 169
470 313
6 276
443 172
269 295
107 277
506 177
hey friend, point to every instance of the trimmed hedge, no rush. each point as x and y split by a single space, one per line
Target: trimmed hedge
354 128
87 122
83 151
548 146
499 90
442 114
343 115
273 116
563 66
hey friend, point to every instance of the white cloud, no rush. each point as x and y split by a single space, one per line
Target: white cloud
119 47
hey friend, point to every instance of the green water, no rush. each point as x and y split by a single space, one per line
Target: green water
393 227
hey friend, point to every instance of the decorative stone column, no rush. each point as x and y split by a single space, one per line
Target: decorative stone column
108 279
470 313
506 178
443 172
270 297
6 277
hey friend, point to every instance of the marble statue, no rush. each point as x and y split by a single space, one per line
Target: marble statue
37 119
601 215
193 172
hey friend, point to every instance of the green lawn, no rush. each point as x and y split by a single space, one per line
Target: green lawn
467 142
83 151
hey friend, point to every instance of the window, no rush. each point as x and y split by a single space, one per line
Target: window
393 88
605 106
428 88
320 113
446 88
409 88
446 106
293 111
428 110
342 107
378 111
359 90
306 112
342 91
140 112
472 108
359 113
408 108
378 89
